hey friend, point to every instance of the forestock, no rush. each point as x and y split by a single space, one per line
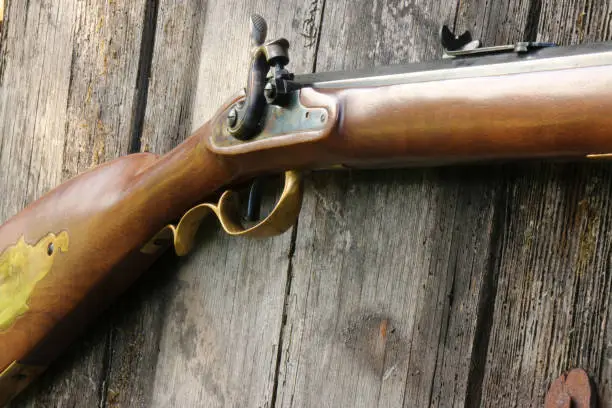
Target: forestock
558 107
558 114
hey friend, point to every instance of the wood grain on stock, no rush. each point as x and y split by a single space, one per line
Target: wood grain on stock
108 213
556 114
476 119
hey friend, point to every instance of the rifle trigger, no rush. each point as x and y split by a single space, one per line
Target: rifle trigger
254 203
280 219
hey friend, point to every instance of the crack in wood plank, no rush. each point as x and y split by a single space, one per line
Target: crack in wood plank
281 332
317 12
484 319
145 61
533 18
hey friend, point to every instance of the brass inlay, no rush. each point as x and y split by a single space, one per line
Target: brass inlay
15 378
599 156
281 218
22 266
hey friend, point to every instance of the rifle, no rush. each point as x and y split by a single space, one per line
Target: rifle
66 256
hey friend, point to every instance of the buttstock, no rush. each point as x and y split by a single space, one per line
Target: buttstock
66 256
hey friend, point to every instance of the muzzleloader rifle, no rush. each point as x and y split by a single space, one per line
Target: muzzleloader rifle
66 256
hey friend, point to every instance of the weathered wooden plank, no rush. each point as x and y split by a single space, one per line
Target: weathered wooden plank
213 319
574 21
493 23
386 288
391 268
554 282
67 75
176 52
499 22
551 309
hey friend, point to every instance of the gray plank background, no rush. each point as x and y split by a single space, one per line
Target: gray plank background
470 286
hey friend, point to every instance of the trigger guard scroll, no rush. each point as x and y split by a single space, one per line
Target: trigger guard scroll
280 219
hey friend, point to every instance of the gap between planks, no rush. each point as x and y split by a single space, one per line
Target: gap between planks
145 61
294 232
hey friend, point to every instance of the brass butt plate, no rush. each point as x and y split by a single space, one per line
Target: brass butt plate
15 378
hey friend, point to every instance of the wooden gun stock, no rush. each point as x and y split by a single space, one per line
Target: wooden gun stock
66 256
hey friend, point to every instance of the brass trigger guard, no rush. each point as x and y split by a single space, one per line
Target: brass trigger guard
282 217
